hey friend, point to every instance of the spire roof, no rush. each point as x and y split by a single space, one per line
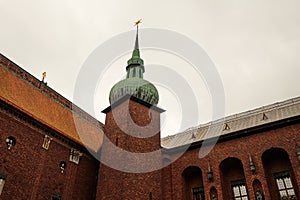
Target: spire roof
135 58
134 84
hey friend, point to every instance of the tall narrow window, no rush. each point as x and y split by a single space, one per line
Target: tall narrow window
239 190
117 141
133 72
2 181
284 185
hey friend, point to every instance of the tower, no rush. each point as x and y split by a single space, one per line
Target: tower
130 155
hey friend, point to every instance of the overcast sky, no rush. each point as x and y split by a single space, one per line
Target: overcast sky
254 44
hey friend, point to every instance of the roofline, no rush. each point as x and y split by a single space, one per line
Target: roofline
46 90
235 135
133 98
237 116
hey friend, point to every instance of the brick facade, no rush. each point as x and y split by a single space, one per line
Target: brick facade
29 110
229 161
126 185
285 138
33 172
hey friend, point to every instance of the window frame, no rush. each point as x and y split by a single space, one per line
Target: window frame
286 189
239 184
198 192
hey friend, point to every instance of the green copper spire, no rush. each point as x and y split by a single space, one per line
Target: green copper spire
136 59
134 84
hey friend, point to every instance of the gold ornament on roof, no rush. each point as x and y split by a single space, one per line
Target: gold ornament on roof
137 22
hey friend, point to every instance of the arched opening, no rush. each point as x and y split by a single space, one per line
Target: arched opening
193 183
213 193
279 174
233 179
257 188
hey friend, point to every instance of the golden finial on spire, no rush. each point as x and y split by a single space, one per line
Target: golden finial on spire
136 46
137 22
43 76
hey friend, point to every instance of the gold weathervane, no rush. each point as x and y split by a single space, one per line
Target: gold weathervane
137 22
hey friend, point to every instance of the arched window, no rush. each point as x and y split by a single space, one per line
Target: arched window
233 179
213 193
257 188
279 173
193 183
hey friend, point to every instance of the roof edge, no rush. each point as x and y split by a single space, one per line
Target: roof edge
45 89
133 98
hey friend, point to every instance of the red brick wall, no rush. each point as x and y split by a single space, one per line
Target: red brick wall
33 172
114 184
166 182
285 138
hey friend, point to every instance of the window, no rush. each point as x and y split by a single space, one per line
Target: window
46 142
239 190
75 155
62 166
56 196
117 141
10 141
133 72
284 185
2 181
198 193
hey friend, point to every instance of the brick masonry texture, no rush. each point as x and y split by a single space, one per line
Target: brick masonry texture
33 172
285 138
172 183
118 124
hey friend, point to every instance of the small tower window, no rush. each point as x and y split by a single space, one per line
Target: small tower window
134 72
46 142
75 156
117 141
